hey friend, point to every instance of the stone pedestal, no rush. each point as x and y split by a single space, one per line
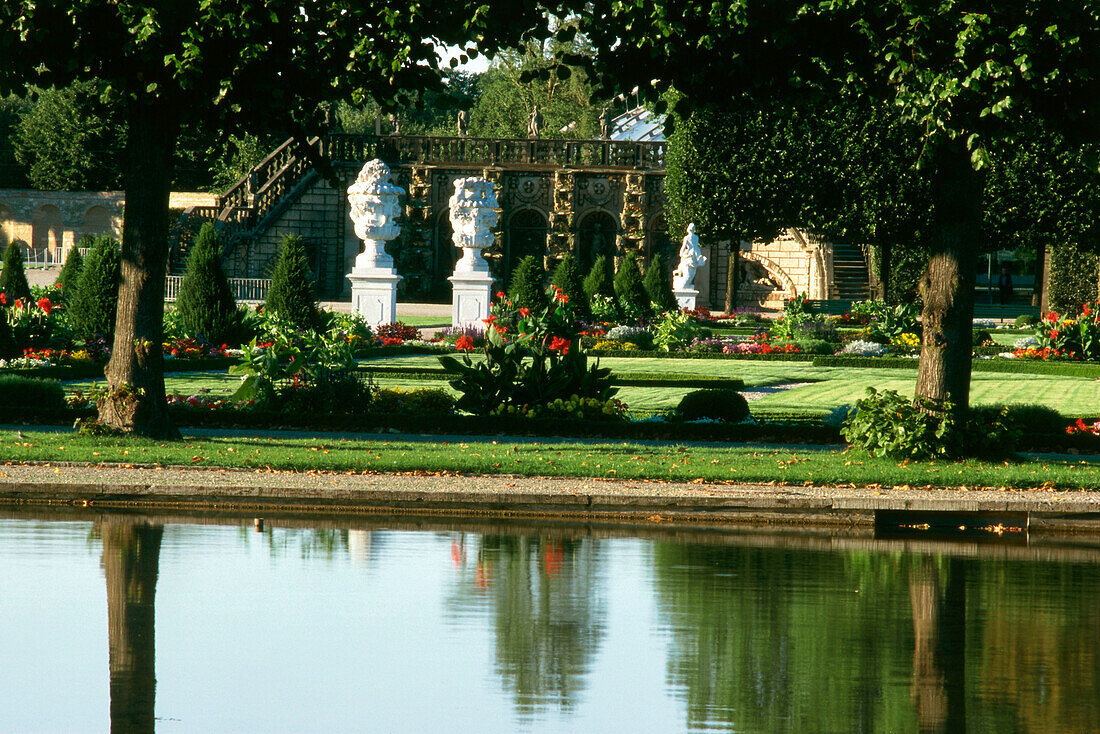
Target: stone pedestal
686 298
471 299
374 294
473 215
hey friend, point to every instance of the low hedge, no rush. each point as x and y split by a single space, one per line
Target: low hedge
662 379
1008 366
637 353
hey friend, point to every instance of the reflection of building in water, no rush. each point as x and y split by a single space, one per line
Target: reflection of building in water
359 547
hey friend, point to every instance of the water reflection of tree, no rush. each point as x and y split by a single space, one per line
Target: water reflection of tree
548 612
131 561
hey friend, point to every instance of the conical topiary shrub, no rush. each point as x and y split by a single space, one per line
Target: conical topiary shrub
526 289
92 308
567 276
630 292
658 286
291 293
13 278
599 281
206 306
69 276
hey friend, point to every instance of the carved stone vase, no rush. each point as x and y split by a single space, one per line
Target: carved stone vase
474 213
374 211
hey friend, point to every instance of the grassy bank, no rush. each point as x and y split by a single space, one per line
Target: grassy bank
600 460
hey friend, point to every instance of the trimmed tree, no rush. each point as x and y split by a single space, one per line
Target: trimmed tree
567 276
658 286
93 307
526 289
291 294
206 305
599 281
13 278
630 291
69 276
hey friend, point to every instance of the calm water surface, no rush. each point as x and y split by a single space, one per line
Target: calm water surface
133 624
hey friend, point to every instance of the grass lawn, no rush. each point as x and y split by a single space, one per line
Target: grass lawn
618 460
419 321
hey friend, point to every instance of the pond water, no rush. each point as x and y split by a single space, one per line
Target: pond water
138 624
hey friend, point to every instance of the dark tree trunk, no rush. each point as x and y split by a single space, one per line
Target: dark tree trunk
731 275
884 271
135 374
131 562
947 286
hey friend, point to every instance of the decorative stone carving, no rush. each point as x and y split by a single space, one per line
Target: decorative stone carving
474 213
683 278
374 211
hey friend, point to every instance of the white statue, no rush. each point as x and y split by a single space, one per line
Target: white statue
374 210
473 216
691 257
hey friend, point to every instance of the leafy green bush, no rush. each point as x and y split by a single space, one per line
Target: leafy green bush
425 401
599 281
567 276
31 392
798 308
9 346
1023 321
205 304
291 294
675 330
816 346
724 405
981 338
1072 282
886 424
629 290
92 308
658 286
13 278
890 322
525 289
69 276
1031 419
604 308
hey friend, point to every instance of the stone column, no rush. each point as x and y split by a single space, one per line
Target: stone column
474 213
374 210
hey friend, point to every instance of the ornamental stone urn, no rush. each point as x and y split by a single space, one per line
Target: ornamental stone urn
374 211
474 213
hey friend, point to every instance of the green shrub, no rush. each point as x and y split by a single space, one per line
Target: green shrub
92 308
525 290
982 338
675 330
31 392
424 401
658 286
567 276
69 276
1026 320
1072 281
816 346
599 281
724 405
629 290
205 304
9 347
291 294
1031 419
13 278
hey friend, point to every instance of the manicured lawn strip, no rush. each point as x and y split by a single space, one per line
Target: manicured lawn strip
618 460
425 321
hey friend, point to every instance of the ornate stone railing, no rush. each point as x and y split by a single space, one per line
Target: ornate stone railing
402 149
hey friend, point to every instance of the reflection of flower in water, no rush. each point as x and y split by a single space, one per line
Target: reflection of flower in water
483 576
552 558
458 552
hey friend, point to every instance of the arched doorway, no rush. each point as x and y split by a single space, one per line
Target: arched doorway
444 257
97 222
46 235
596 235
527 230
659 243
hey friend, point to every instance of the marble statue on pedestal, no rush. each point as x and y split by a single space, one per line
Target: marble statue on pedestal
474 213
375 207
683 278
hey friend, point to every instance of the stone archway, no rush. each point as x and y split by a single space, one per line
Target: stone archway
97 222
659 242
525 235
6 216
444 256
596 235
763 282
47 235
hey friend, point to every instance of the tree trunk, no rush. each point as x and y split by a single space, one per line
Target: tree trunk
884 271
131 562
947 286
135 374
731 275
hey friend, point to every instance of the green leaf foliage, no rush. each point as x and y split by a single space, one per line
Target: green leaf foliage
1073 276
69 276
526 289
658 285
9 347
13 278
599 282
567 276
291 295
92 308
31 392
206 306
629 290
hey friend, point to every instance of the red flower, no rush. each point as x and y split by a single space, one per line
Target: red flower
45 305
560 344
19 303
464 343
501 329
490 320
1086 310
500 294
525 312
1053 333
561 297
3 299
1052 316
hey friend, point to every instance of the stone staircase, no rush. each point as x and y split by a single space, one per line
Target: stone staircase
850 274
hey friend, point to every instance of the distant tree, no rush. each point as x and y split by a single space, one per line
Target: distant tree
206 305
526 289
12 173
629 290
567 276
94 304
69 276
658 285
291 293
13 278
599 281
